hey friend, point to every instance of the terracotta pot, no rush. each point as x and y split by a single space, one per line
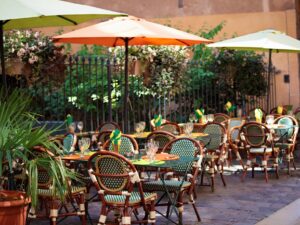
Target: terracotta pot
13 207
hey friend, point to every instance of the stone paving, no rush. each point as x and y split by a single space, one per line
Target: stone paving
238 204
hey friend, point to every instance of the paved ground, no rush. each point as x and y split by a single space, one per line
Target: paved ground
237 204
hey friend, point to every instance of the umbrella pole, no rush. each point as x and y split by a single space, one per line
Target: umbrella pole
269 80
126 87
2 56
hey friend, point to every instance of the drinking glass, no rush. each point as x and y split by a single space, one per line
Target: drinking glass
270 119
204 119
142 126
84 145
137 128
80 126
210 117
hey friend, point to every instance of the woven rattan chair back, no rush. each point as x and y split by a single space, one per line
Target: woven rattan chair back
169 127
221 117
103 136
128 144
161 137
217 133
233 134
254 134
108 126
291 122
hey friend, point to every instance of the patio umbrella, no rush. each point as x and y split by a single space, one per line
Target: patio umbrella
127 31
20 14
266 40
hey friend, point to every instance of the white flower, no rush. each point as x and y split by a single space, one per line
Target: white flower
21 52
72 99
36 34
95 97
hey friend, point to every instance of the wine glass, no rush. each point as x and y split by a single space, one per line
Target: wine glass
142 126
210 117
137 128
80 126
84 145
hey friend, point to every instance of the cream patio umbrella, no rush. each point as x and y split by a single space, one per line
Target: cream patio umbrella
266 40
20 14
127 31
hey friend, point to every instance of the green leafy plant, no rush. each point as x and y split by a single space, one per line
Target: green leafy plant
18 136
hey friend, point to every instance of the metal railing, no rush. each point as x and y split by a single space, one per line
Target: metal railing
87 95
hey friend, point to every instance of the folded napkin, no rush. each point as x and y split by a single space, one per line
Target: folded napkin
157 120
229 107
115 137
199 114
258 115
279 110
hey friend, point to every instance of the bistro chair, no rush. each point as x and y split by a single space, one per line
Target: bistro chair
128 145
161 137
169 127
214 152
114 178
53 206
233 126
108 126
103 136
258 142
251 114
183 147
287 138
221 118
274 112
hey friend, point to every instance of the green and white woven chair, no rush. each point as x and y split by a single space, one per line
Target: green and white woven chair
128 145
287 140
161 137
114 178
214 152
221 118
258 142
75 194
108 126
182 147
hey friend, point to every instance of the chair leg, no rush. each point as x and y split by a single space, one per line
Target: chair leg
53 212
180 208
192 201
82 209
126 219
152 215
102 218
253 171
212 175
265 165
222 176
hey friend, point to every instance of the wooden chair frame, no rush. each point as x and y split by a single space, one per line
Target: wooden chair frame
131 178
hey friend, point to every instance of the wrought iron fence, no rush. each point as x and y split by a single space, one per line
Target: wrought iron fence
93 90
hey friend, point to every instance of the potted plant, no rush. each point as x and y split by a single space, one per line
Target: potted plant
18 136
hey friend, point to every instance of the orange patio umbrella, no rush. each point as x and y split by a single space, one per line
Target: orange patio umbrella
129 31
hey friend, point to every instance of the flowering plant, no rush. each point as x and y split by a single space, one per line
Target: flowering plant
36 51
163 67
